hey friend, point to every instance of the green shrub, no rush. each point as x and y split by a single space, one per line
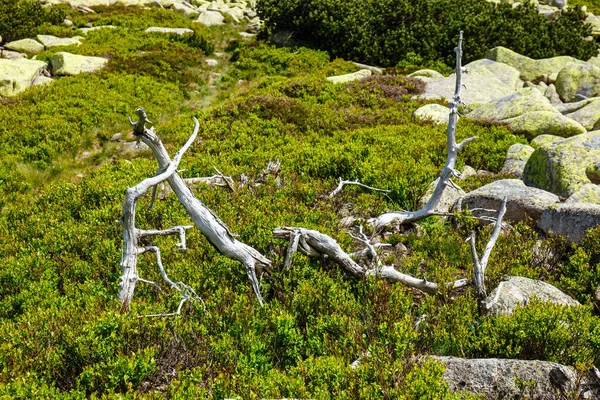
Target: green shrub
22 18
384 32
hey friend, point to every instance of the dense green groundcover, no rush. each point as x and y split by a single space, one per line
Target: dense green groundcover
385 32
64 334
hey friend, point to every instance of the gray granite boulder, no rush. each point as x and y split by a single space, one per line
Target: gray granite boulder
518 291
521 201
571 220
451 195
588 114
496 378
588 193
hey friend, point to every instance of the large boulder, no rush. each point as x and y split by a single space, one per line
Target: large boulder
18 74
496 378
516 291
588 115
52 41
521 201
560 166
363 73
487 80
530 69
542 140
185 10
535 123
25 46
513 105
433 112
516 158
64 63
578 81
211 18
571 220
589 193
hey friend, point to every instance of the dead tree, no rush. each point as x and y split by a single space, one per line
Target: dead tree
405 217
215 231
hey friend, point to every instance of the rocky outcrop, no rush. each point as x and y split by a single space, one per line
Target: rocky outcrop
560 166
530 69
71 64
499 378
516 291
17 75
521 201
571 220
487 80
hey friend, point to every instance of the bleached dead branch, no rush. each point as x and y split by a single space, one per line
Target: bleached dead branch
448 171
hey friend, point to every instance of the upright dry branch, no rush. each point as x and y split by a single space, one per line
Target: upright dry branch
403 217
481 264
210 225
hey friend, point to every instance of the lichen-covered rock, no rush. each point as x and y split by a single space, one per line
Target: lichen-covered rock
593 172
568 108
530 69
517 103
427 73
588 115
11 55
17 75
211 18
236 13
41 80
433 112
521 201
571 220
363 73
25 46
544 139
578 81
496 378
52 41
560 166
487 80
535 123
64 63
589 193
516 158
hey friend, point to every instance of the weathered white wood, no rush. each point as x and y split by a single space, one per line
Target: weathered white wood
448 171
215 231
314 243
342 183
132 236
481 264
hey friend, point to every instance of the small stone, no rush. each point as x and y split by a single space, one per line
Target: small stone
174 31
211 62
433 112
211 18
52 41
25 46
68 22
64 63
12 55
427 73
85 31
